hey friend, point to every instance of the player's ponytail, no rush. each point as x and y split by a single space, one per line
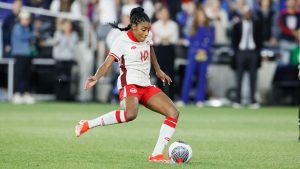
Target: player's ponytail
137 15
115 26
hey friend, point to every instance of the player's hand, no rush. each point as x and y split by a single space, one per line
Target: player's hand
90 82
163 77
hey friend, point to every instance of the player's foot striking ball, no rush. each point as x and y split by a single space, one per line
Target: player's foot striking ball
134 52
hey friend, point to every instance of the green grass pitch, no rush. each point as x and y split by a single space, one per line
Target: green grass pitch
42 136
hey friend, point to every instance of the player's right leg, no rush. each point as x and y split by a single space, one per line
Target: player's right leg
129 113
162 104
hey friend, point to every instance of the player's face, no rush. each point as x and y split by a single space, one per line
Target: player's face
141 31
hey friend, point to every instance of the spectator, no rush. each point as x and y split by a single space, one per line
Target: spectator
149 7
125 21
43 25
173 6
265 15
91 11
64 44
165 37
129 4
44 28
201 40
112 35
157 6
71 6
107 14
246 41
7 27
289 22
84 6
220 21
21 41
185 17
3 12
39 3
235 10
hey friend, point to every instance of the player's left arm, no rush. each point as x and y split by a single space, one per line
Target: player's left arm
159 73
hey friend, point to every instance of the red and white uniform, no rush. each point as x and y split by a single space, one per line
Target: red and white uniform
134 59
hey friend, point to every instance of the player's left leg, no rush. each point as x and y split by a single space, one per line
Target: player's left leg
128 112
113 117
162 104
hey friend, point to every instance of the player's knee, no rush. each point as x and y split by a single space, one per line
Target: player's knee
174 113
131 115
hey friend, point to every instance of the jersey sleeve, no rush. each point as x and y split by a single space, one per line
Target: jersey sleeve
116 50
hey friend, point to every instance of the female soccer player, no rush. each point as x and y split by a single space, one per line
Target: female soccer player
134 52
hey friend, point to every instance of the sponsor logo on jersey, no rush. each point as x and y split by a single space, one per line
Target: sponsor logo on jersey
133 90
148 43
133 47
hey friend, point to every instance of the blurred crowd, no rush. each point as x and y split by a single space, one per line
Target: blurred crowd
184 30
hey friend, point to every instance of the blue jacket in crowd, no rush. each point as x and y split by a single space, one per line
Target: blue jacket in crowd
203 39
21 40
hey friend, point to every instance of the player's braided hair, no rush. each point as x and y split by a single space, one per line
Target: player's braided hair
137 15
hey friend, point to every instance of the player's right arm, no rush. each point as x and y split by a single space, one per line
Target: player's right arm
92 80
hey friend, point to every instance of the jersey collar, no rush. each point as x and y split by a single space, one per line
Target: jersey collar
131 36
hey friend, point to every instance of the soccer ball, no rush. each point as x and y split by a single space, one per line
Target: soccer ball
180 152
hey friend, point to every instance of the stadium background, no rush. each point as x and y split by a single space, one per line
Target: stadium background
41 135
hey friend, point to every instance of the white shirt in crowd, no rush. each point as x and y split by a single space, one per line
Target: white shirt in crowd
133 58
165 30
247 40
64 47
220 22
107 11
148 7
